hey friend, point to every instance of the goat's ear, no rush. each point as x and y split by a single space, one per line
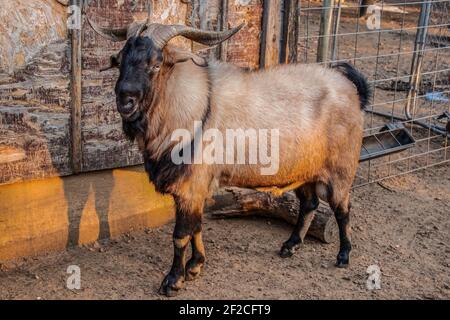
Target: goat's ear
114 62
173 56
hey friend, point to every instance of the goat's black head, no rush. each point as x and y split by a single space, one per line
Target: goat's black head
140 63
144 56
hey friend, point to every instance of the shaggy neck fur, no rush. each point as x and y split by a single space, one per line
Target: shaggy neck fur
182 84
187 85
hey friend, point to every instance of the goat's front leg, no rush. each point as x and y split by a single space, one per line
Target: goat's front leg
187 229
195 264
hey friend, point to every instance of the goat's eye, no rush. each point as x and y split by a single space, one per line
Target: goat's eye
156 68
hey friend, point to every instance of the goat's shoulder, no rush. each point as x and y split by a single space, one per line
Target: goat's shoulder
218 69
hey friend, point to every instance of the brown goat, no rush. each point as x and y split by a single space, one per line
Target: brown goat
316 110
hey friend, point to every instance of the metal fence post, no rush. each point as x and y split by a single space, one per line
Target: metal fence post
416 64
325 30
337 21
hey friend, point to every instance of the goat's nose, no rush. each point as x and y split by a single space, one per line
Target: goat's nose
127 100
126 104
130 101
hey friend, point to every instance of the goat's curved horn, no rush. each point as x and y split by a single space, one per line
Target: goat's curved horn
115 35
63 2
149 11
136 29
162 34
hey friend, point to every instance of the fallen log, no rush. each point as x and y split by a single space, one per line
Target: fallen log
236 202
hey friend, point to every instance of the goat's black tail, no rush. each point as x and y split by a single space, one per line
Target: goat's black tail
358 79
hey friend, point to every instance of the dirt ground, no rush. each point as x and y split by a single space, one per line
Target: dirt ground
402 226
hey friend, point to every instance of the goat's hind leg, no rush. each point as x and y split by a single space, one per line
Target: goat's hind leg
309 202
340 204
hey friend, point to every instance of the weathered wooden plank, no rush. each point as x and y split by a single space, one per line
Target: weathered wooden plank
103 142
75 94
243 49
293 19
205 15
270 44
11 154
223 25
34 90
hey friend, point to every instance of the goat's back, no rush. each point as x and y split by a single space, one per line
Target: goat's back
316 110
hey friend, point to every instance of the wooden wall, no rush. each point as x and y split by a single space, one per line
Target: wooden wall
34 90
243 49
103 143
35 102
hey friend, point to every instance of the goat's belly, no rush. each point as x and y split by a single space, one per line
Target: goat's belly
299 159
278 191
285 179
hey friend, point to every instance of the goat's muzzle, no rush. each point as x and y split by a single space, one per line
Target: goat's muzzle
130 111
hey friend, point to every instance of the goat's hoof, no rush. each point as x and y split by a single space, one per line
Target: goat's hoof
171 285
191 275
286 252
342 260
193 269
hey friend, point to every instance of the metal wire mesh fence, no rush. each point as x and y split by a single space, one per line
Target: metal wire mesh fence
403 47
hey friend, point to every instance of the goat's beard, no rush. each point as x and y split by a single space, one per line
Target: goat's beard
134 128
133 117
136 124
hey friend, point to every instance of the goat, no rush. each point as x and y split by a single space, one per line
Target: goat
317 110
